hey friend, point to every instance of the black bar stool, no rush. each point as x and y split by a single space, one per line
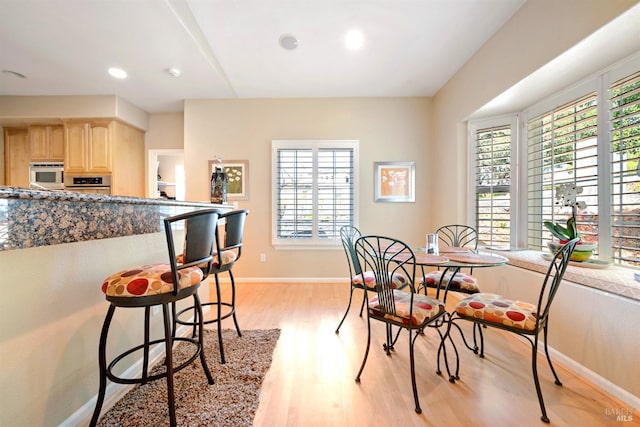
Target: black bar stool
223 260
154 284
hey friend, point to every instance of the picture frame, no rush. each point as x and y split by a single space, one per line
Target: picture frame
394 182
237 172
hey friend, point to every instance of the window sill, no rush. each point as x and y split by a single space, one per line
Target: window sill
613 279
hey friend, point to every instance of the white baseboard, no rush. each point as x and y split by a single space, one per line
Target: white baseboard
596 380
115 391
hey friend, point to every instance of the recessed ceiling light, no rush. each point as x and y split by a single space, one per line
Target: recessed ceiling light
354 39
118 73
288 41
14 74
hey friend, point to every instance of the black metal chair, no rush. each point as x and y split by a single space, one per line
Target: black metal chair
358 278
519 317
348 236
405 309
161 284
224 259
457 236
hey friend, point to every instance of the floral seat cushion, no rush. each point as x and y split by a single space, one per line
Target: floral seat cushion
500 310
462 282
424 308
152 279
398 281
227 258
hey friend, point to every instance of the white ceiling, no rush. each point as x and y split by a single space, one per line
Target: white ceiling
229 48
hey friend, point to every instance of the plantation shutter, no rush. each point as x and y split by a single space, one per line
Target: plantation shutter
624 127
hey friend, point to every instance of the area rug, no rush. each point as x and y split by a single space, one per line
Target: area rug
231 402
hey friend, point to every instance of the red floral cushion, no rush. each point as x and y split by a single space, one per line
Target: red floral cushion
462 282
500 310
424 308
398 281
152 279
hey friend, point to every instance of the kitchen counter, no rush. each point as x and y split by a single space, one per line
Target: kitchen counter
31 218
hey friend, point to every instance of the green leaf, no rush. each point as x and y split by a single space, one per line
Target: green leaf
557 230
572 228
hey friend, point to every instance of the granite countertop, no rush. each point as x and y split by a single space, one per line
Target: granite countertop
31 218
30 194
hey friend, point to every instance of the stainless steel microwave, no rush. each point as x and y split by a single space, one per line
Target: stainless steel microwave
46 175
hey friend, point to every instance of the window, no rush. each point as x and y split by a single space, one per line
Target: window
314 188
562 148
587 135
493 152
625 169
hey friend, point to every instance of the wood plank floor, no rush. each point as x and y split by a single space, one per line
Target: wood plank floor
311 380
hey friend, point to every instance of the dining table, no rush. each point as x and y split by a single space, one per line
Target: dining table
451 260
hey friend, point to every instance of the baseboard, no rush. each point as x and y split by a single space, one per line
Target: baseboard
115 391
225 279
596 380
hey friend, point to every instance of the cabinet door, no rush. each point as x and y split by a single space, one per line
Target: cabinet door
16 152
56 143
39 143
99 148
47 143
75 150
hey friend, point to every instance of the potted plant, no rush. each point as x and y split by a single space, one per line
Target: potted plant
566 195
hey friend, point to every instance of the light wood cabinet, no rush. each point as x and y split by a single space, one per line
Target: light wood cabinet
16 157
128 177
47 143
107 146
88 147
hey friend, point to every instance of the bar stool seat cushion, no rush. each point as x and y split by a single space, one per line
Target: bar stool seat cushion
500 310
424 308
227 258
462 282
151 279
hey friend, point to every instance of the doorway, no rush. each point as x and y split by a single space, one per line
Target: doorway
166 174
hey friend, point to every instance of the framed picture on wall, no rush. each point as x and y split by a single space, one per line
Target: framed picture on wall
237 172
394 181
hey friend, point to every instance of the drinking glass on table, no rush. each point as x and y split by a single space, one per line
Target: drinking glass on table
432 244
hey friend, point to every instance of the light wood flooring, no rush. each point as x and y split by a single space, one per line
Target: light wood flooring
311 380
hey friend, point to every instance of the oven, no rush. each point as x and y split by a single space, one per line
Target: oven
95 184
46 175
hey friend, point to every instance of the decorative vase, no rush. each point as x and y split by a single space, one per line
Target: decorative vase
582 252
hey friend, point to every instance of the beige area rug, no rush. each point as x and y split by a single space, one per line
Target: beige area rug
231 402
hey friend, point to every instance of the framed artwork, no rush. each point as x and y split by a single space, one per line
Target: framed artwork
237 172
394 181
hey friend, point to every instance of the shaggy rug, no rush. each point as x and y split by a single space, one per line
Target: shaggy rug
233 399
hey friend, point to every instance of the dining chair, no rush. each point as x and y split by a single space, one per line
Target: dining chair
358 280
465 237
224 258
519 317
455 236
160 284
404 309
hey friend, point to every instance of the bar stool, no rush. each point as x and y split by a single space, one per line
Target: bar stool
223 260
149 285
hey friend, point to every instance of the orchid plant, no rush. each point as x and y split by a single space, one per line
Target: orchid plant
566 195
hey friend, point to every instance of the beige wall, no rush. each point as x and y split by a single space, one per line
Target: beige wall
166 131
533 37
387 128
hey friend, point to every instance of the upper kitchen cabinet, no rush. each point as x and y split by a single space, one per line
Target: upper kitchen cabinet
128 160
88 147
107 146
47 143
16 157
